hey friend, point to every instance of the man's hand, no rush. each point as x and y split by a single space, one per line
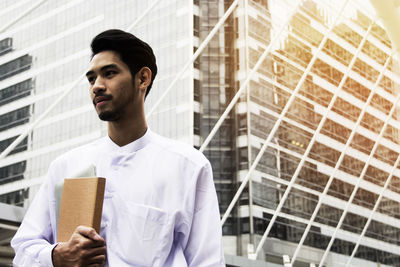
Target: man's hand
84 248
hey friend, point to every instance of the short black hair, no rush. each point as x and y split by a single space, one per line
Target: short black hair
133 52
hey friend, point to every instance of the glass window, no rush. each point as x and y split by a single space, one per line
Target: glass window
22 146
15 91
14 118
15 66
12 172
5 46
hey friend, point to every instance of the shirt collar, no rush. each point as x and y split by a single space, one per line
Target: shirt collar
131 147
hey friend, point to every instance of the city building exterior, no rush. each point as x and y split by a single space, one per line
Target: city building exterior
322 98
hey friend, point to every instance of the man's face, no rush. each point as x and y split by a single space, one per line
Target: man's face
111 86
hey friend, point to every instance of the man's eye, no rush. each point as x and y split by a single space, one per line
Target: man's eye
91 79
110 73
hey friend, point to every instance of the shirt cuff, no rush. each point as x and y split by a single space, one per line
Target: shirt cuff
45 258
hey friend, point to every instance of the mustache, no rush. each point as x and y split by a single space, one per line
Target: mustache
101 97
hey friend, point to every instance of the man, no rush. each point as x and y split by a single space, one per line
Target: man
160 206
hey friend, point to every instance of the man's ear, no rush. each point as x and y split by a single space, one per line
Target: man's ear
144 76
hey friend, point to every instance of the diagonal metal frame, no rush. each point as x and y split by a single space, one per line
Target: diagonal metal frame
29 129
194 56
299 167
349 140
357 185
394 167
246 82
20 16
31 126
233 102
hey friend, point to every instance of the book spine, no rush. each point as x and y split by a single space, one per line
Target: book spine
98 209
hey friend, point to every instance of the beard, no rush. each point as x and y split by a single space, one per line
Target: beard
113 114
109 116
116 110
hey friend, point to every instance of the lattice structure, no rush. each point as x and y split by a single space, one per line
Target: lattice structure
294 103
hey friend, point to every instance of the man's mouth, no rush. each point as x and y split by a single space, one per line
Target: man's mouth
100 100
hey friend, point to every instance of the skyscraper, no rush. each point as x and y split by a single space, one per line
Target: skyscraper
317 97
319 100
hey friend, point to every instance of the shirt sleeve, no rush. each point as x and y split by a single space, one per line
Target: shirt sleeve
33 241
204 246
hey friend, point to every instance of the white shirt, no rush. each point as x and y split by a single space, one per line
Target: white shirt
160 206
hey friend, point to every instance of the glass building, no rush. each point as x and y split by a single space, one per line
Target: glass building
304 95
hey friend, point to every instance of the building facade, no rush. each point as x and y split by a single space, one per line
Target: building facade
322 99
337 135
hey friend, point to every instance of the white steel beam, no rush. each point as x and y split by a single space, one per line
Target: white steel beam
348 142
195 55
233 102
144 14
389 11
292 97
395 76
245 83
373 210
12 7
249 154
31 126
327 230
51 39
331 201
36 20
21 15
20 184
357 185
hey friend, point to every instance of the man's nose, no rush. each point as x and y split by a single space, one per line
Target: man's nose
98 85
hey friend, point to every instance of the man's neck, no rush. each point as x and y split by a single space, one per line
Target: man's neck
125 132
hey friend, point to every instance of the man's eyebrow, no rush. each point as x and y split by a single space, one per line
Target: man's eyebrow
109 66
90 72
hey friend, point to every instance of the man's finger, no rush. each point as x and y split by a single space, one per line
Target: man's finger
98 260
93 252
89 233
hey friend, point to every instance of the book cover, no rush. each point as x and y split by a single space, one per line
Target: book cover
81 204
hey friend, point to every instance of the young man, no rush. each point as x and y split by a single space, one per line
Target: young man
160 206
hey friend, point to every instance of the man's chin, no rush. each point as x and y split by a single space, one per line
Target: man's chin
108 116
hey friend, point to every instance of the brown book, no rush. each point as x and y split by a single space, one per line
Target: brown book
81 204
